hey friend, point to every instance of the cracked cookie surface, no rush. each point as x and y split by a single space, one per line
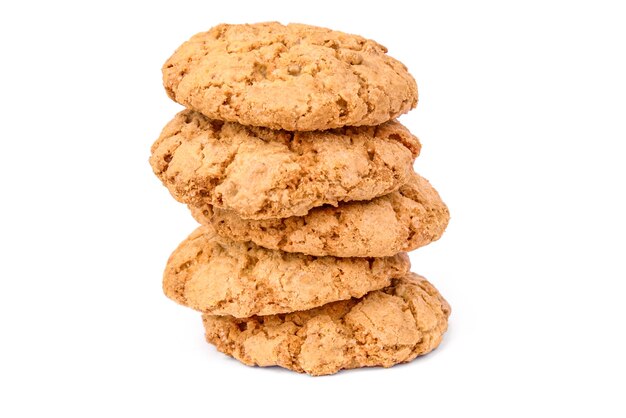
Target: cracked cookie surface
261 173
412 216
294 77
222 277
385 327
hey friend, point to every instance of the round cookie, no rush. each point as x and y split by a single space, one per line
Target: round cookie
222 277
261 173
294 77
384 328
413 216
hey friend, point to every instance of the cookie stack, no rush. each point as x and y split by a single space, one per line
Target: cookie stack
290 158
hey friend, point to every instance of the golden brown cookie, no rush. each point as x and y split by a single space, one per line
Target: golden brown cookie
222 277
404 220
385 327
294 77
260 173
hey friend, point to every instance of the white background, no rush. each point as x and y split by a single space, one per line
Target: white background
522 119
